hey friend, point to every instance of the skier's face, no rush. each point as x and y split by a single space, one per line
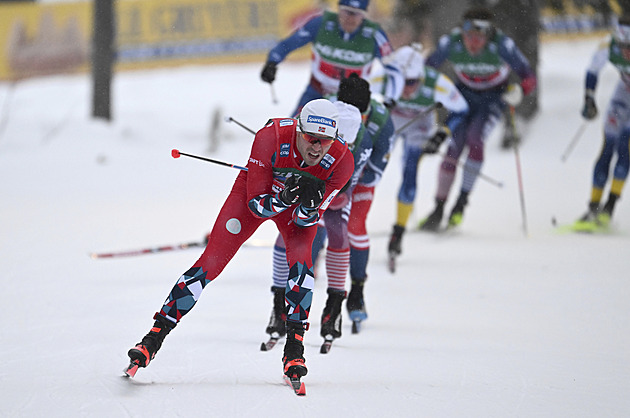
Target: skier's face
312 148
475 41
350 18
411 86
625 51
475 34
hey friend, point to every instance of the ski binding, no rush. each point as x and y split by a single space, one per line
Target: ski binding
298 386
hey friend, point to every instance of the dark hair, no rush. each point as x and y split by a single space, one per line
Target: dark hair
355 91
624 20
478 13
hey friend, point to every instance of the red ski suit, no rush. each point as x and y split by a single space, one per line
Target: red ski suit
253 200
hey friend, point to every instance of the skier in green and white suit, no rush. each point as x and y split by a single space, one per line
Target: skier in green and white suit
342 43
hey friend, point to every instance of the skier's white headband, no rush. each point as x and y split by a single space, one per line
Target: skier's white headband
352 10
477 25
623 34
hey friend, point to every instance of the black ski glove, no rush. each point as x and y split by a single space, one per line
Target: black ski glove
268 73
312 192
589 111
291 193
390 103
433 145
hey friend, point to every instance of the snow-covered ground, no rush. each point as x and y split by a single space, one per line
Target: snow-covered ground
484 322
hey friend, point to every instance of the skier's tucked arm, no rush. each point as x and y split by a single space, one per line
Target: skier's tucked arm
437 58
263 201
600 58
452 100
312 192
361 157
510 53
299 38
375 166
304 216
309 216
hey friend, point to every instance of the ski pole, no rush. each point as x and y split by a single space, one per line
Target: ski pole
489 179
482 176
434 106
425 112
231 119
148 250
520 181
574 141
274 99
176 154
252 242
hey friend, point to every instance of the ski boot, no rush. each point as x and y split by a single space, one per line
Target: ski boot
605 215
395 240
432 222
293 358
142 354
356 305
331 318
395 247
589 222
457 213
277 321
278 318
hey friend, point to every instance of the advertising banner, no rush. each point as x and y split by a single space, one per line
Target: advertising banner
54 38
39 40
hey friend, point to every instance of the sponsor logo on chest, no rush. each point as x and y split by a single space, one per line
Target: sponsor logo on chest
476 68
327 161
342 54
285 150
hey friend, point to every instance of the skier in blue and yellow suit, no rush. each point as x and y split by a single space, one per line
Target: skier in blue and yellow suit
616 50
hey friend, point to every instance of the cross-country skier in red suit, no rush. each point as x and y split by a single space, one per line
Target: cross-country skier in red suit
295 169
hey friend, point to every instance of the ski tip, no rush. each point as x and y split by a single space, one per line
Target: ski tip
130 371
301 391
325 348
267 346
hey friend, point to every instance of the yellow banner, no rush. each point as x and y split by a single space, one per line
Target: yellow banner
38 39
175 30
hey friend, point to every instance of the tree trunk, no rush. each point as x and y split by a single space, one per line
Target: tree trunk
102 58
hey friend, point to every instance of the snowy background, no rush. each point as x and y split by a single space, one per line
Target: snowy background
484 322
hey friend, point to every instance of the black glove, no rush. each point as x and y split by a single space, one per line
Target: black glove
312 192
433 145
268 73
389 103
291 193
589 111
